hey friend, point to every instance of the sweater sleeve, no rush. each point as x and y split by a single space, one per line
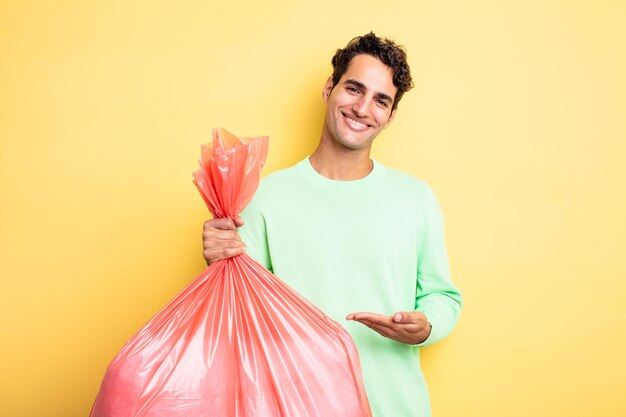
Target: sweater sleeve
254 233
437 297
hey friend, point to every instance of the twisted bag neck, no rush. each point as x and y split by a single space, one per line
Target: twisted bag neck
230 171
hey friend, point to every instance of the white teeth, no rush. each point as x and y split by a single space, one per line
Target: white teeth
355 124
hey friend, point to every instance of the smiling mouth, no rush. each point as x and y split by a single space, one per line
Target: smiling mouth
354 124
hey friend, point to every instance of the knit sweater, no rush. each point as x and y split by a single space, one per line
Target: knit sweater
371 245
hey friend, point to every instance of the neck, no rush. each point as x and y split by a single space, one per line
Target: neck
339 163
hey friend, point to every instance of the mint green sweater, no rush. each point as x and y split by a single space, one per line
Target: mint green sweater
374 244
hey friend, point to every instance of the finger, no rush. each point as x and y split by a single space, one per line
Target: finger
414 317
356 316
224 224
401 333
223 251
392 326
215 255
238 221
374 317
217 244
221 234
406 317
370 323
233 251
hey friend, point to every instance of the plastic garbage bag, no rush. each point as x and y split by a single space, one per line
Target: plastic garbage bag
237 341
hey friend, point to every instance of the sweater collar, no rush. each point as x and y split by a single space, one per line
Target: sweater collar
344 187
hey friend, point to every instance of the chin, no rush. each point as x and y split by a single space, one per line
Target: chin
355 146
355 141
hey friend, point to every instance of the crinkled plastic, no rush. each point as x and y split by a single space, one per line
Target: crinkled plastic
237 341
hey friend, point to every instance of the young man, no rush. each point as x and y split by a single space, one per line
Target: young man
363 242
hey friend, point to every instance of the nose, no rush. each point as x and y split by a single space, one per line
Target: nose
360 107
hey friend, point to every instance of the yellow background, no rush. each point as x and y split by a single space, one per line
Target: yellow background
517 121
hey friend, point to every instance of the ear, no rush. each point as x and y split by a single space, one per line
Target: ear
328 87
391 117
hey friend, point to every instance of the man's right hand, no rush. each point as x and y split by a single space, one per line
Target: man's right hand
220 239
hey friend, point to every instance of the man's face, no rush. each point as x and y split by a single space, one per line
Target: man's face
359 106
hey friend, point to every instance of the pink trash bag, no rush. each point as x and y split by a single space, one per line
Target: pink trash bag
237 341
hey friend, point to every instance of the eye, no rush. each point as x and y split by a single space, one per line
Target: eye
352 90
382 103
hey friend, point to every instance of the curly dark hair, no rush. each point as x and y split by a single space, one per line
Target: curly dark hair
387 51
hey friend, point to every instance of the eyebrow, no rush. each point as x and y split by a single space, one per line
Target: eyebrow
364 87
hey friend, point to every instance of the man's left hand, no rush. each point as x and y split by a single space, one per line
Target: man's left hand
406 327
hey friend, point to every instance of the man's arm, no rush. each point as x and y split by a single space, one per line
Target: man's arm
437 301
436 296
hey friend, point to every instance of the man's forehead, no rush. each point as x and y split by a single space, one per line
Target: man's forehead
371 72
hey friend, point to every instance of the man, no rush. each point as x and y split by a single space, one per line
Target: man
363 242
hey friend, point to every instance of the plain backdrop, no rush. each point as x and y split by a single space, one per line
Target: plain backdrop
517 121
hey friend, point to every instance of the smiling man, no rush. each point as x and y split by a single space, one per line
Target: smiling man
363 242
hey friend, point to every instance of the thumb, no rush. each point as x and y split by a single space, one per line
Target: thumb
398 317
